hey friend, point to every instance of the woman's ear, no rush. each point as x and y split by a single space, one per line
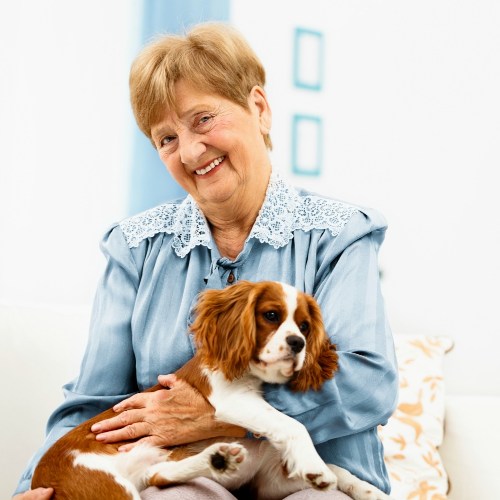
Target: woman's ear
321 361
225 328
258 98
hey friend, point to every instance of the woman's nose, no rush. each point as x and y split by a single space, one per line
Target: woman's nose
191 148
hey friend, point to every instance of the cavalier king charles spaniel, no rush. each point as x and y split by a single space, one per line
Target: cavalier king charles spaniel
247 334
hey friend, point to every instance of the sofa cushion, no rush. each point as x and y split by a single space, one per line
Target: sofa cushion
415 431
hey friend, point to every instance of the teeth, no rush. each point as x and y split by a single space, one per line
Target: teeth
212 165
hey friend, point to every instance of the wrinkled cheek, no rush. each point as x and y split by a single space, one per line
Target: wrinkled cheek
177 172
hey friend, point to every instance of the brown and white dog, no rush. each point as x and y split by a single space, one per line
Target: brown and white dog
247 334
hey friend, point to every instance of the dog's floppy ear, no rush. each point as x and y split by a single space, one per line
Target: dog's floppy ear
321 360
225 328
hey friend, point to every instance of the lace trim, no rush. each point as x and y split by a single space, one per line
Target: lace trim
185 220
283 212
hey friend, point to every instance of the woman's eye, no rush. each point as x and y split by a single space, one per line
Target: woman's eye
272 316
167 140
304 327
204 120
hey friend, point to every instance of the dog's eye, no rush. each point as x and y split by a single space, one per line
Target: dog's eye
272 316
304 327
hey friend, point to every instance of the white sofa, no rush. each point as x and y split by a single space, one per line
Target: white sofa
471 447
42 349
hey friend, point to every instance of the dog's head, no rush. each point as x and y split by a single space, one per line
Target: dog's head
269 329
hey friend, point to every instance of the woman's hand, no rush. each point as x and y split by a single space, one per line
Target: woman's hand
164 418
36 494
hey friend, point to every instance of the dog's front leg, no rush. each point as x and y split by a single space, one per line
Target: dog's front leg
356 488
249 410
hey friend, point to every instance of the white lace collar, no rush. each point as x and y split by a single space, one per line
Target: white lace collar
284 211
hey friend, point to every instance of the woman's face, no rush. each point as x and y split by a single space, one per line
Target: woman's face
213 147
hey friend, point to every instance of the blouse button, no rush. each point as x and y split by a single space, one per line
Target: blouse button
230 278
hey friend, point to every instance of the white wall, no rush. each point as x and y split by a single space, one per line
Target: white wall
411 107
65 135
65 143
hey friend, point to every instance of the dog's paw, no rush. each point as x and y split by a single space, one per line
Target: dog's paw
226 457
363 492
312 470
321 480
356 488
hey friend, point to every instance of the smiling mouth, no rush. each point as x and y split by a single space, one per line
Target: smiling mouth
208 168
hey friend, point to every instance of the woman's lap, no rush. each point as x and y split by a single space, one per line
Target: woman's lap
202 488
311 494
195 489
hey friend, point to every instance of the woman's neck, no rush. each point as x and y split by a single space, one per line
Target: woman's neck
230 241
231 222
230 233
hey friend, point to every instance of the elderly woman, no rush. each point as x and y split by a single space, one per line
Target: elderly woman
200 99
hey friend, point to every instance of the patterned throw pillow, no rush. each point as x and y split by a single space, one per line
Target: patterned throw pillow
415 431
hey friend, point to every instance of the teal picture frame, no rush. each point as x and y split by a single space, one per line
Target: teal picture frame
307 145
308 59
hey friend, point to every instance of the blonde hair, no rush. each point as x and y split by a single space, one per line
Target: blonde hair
213 57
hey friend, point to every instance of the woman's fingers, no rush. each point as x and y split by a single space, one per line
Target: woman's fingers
36 494
163 417
131 431
124 419
167 381
133 420
135 401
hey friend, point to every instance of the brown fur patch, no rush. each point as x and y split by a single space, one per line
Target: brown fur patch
321 361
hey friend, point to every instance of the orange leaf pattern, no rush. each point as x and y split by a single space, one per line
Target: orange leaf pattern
413 434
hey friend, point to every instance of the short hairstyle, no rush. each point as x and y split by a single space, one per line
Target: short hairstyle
214 57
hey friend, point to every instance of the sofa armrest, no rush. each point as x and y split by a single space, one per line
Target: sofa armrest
471 446
41 350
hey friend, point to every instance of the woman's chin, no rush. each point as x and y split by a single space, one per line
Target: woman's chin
220 190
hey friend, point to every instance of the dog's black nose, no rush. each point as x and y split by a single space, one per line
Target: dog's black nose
296 343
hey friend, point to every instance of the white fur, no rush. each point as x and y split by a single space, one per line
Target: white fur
277 361
128 469
355 487
200 465
240 403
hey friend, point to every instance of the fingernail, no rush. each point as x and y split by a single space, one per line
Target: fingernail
122 448
100 437
117 408
95 428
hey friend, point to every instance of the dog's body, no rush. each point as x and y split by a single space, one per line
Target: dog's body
247 334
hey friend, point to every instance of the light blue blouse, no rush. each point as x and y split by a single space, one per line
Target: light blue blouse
157 263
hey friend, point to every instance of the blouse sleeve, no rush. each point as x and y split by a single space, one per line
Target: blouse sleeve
107 373
363 392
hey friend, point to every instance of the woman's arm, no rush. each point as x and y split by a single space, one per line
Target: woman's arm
363 392
107 374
